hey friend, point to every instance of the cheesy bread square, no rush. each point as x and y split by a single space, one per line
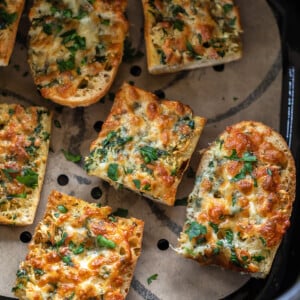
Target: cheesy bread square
24 144
190 34
10 15
145 144
240 207
75 48
79 251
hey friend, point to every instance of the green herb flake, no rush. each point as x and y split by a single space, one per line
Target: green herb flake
104 242
258 258
229 235
62 209
269 172
178 24
214 226
66 65
112 171
39 272
67 260
137 183
151 278
263 241
28 178
149 154
71 157
57 124
227 8
195 229
6 19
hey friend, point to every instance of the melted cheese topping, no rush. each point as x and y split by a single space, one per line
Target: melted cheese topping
242 200
72 42
180 32
79 252
10 14
145 144
24 142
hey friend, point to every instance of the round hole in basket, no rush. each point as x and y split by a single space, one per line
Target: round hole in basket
163 244
62 179
219 68
25 237
135 70
96 193
98 125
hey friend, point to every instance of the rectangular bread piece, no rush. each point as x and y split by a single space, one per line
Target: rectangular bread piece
190 34
24 144
240 207
10 14
75 48
145 144
79 251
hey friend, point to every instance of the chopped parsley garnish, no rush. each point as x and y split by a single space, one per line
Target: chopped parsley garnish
66 65
178 24
269 172
6 18
112 171
28 178
195 229
177 9
137 183
104 242
214 226
71 157
38 271
191 51
258 258
248 159
151 278
227 8
8 172
151 154
67 260
62 240
76 249
229 236
263 241
62 209
57 124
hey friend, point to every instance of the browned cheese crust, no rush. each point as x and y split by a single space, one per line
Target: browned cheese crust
190 34
79 251
145 144
10 14
242 200
24 144
75 48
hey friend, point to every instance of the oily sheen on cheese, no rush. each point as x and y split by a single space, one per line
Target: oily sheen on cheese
10 14
240 207
145 144
76 47
189 34
79 251
24 143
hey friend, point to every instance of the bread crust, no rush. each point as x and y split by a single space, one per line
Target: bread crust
75 50
146 143
66 251
246 185
13 9
182 35
24 144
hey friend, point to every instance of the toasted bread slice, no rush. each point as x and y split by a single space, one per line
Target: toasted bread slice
75 48
184 35
145 144
79 251
240 207
24 144
10 14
